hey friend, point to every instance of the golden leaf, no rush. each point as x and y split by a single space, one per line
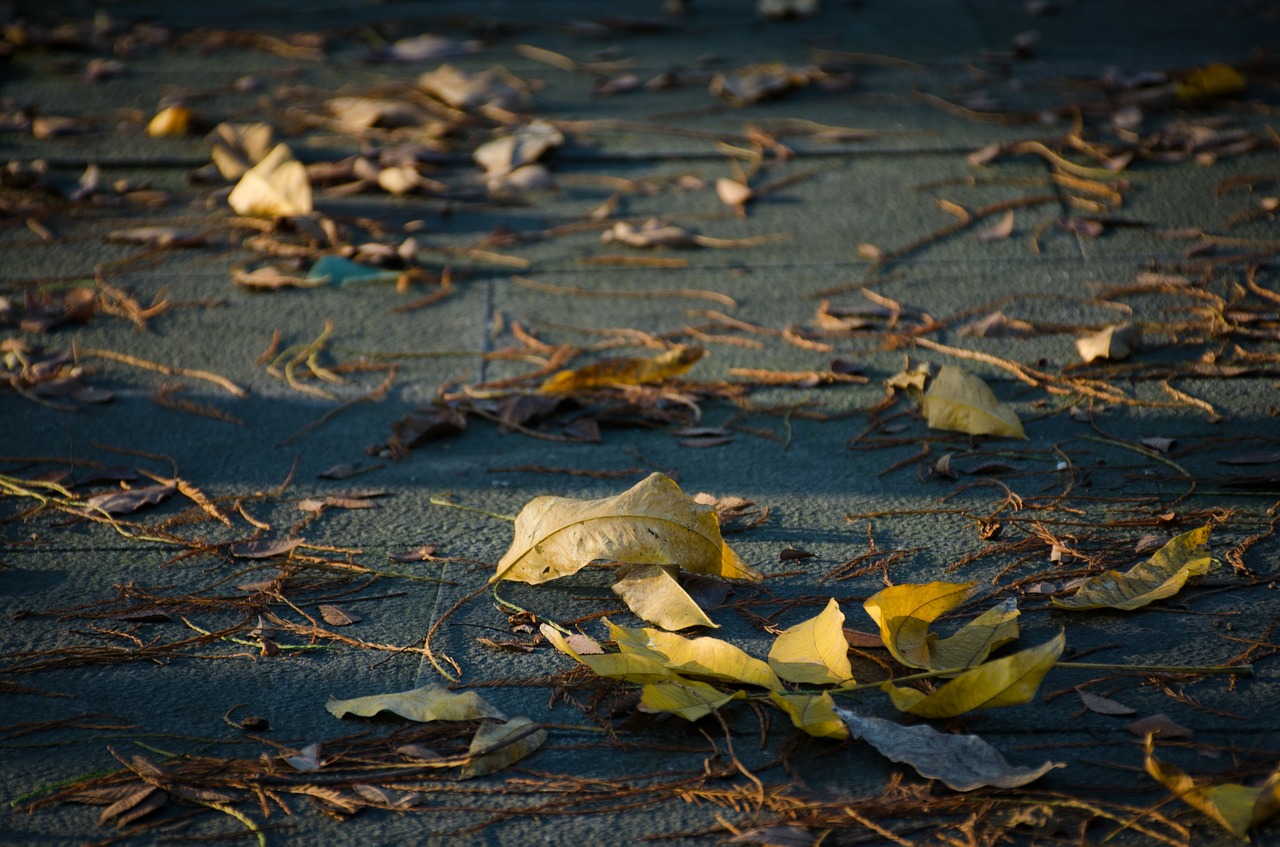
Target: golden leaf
1010 681
813 651
630 666
904 612
428 703
705 656
635 371
812 713
688 698
238 147
175 120
959 401
1231 806
654 595
1161 576
275 187
653 523
1210 82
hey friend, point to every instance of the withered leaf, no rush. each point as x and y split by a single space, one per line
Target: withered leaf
961 762
170 121
275 187
635 371
1161 726
502 744
158 236
129 500
264 548
464 90
361 113
338 471
424 704
130 801
998 231
1103 705
958 400
525 146
335 616
1114 343
307 759
754 83
238 147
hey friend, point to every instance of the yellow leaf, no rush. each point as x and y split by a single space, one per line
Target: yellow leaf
812 713
688 698
653 594
1114 342
904 612
973 642
1231 805
175 120
1010 681
1268 803
502 744
959 401
276 187
1211 81
630 666
636 371
654 523
705 656
1161 576
813 651
428 703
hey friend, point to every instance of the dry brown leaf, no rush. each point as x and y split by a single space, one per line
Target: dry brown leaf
275 187
463 90
238 147
1161 726
1103 705
335 616
1114 343
613 372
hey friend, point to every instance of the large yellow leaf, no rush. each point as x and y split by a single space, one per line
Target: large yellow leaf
812 713
904 612
962 762
1232 806
428 703
630 666
275 187
813 651
688 698
959 401
653 593
501 744
636 371
1161 576
653 523
1010 681
705 656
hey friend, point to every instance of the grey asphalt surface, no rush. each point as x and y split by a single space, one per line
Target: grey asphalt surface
835 475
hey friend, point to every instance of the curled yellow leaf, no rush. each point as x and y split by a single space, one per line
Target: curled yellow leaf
1232 806
687 698
904 613
276 187
654 595
653 523
814 714
705 656
425 704
629 666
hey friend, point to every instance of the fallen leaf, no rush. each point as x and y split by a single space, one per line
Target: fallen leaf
128 500
525 146
961 762
905 612
996 325
1231 806
654 595
463 90
1159 444
959 401
1160 725
704 656
275 187
264 548
1011 681
653 523
998 231
420 48
174 120
506 744
632 666
307 759
814 651
428 703
238 147
754 83
270 278
776 835
1114 343
688 698
335 616
814 714
157 236
361 113
1161 576
1103 705
633 371
732 192
1210 82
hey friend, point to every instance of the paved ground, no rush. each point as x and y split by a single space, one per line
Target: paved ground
1161 212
